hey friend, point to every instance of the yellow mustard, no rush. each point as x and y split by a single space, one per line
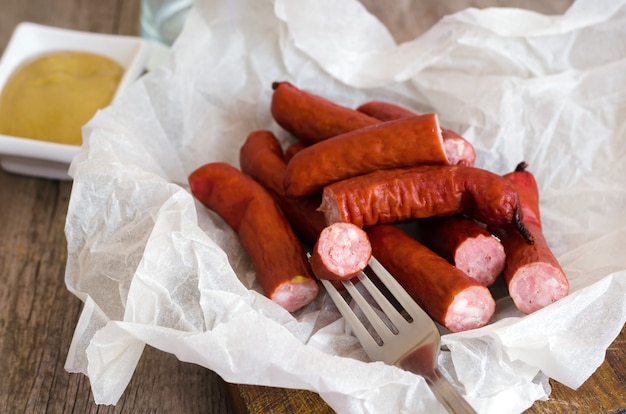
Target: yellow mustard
51 97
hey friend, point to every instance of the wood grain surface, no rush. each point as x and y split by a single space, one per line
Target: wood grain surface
38 315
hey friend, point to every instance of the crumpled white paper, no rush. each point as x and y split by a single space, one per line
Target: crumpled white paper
155 267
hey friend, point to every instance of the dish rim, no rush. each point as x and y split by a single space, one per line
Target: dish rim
29 40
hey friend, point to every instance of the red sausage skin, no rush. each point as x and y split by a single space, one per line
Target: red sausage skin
385 111
404 142
534 276
261 157
278 258
342 251
458 150
312 118
401 194
447 294
293 149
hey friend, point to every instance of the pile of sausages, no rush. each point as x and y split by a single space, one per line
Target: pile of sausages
351 177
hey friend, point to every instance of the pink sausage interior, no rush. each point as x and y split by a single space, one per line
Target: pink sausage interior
342 251
471 308
537 285
296 293
482 258
458 150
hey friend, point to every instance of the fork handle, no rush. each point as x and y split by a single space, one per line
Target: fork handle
447 395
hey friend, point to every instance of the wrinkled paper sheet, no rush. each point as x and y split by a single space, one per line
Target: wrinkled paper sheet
154 267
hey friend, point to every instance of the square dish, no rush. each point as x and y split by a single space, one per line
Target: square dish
50 159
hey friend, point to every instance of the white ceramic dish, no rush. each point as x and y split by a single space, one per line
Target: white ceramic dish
49 159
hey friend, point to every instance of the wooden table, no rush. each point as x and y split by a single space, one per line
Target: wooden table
38 314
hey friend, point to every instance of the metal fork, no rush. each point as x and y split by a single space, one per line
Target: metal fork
410 343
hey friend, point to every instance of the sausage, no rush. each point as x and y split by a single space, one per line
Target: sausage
341 252
526 186
293 149
467 245
261 157
385 111
458 150
399 143
277 255
423 191
312 118
448 295
533 275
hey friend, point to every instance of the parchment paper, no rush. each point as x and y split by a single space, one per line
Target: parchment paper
155 267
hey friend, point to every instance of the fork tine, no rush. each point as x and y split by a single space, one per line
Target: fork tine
405 300
385 305
358 328
373 318
405 347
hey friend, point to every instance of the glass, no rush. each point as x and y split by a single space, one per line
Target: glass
162 20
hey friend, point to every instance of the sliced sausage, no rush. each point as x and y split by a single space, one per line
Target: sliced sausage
467 245
342 251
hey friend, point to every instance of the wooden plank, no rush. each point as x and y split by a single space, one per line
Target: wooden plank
118 16
38 316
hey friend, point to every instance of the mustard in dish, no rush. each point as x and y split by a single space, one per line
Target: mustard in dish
51 97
